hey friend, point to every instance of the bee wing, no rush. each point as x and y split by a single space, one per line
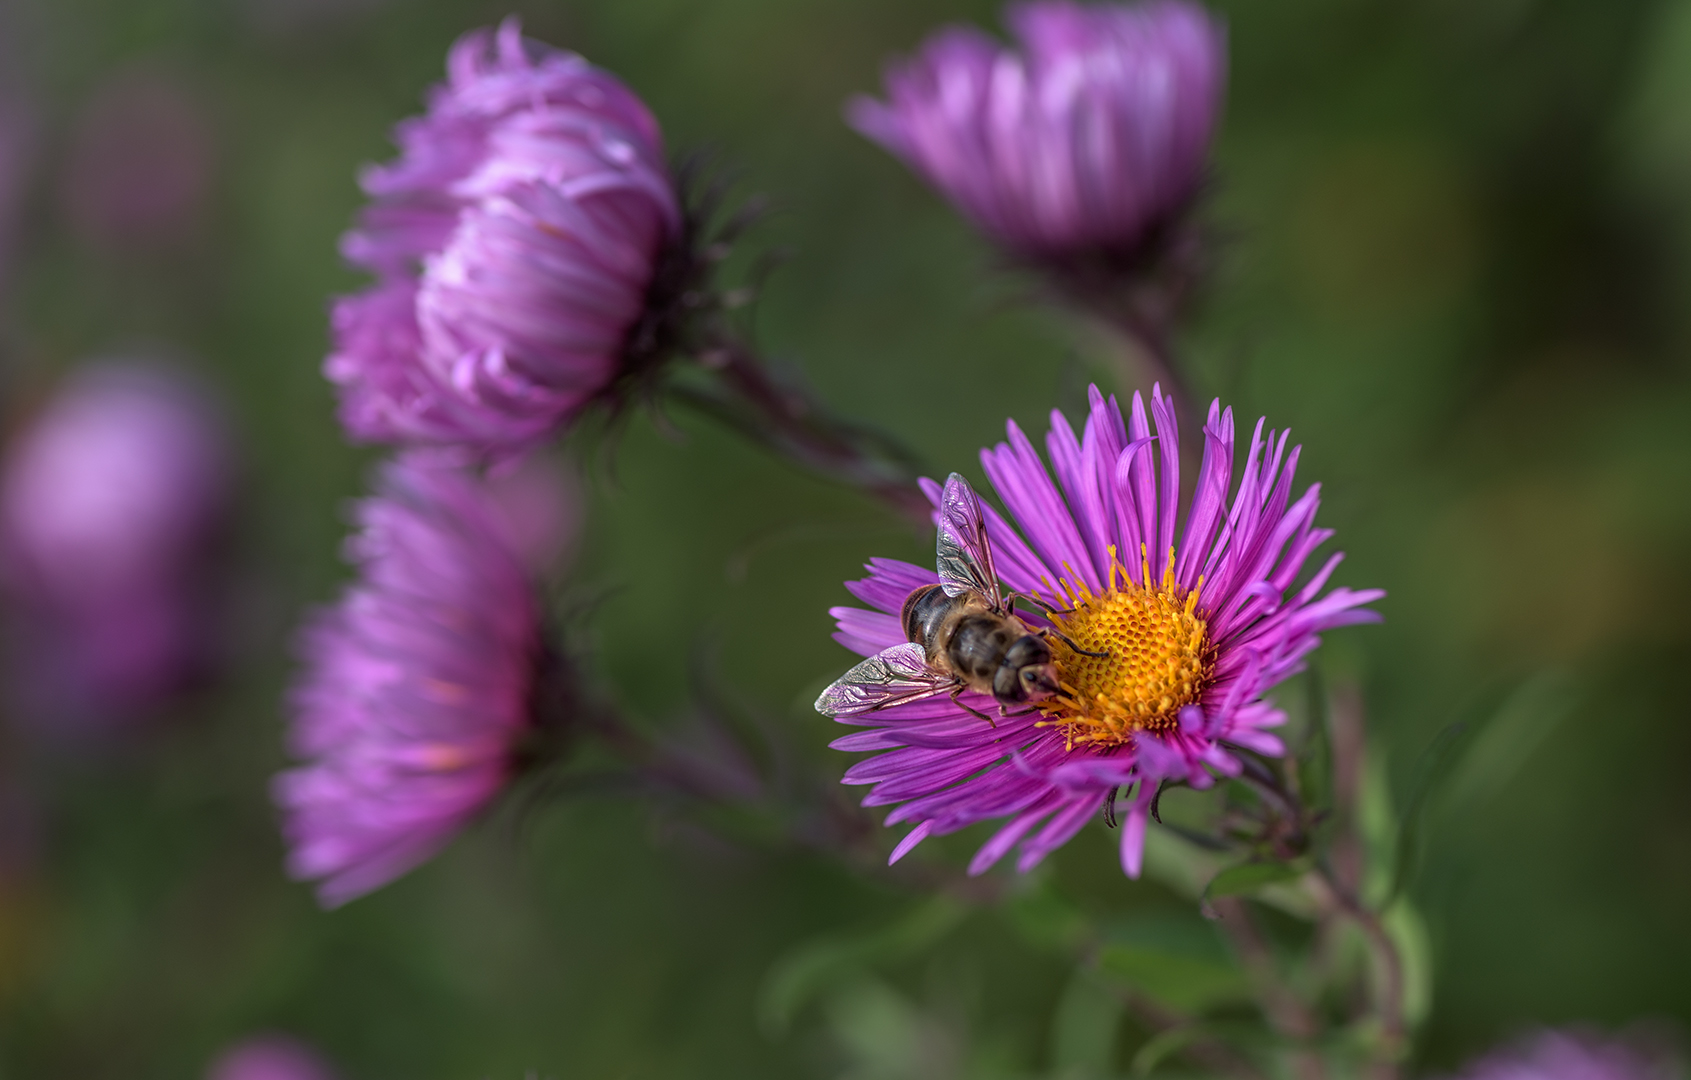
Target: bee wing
963 557
890 677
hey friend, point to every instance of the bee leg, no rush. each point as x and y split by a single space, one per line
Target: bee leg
1110 807
1066 640
957 699
1040 604
1030 710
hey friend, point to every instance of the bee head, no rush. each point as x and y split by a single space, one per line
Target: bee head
1037 681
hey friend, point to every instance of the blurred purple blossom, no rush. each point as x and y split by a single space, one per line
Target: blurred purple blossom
537 505
514 242
1086 138
111 504
141 162
270 1057
1570 1055
419 684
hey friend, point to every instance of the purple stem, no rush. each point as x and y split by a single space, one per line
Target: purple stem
742 392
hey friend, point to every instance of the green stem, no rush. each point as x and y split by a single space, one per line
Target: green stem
1389 976
1286 1012
741 392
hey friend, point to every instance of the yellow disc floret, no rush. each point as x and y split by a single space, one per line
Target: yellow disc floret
1157 657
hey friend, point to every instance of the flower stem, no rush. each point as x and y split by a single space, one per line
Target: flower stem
1284 1009
1388 964
1150 344
1340 874
1336 897
1211 1053
1138 297
742 392
821 823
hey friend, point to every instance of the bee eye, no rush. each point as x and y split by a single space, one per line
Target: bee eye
1037 681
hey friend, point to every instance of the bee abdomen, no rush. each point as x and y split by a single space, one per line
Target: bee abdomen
924 614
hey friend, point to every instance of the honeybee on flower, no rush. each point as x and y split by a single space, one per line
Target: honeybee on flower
1160 660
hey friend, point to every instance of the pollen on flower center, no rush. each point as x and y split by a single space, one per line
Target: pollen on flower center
1158 658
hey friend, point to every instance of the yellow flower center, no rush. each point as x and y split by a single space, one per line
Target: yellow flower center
1157 657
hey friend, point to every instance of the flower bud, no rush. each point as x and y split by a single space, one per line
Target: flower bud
1085 138
514 242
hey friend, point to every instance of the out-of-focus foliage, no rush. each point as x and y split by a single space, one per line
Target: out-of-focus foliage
1457 260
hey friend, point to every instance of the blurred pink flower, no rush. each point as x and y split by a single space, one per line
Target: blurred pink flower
514 242
538 504
111 501
419 686
1570 1055
1084 136
270 1057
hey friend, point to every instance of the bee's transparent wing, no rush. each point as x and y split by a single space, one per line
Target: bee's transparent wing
963 556
890 677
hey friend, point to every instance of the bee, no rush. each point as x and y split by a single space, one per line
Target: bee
962 633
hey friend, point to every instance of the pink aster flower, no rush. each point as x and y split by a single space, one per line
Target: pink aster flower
110 506
1563 1055
418 685
1165 630
1088 136
514 241
270 1057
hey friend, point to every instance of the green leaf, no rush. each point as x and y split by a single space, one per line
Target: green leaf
797 978
1158 1047
1084 1028
1186 983
880 1031
1481 756
1178 961
1248 877
1414 947
1519 726
1044 918
1249 1040
1434 765
1175 861
1315 758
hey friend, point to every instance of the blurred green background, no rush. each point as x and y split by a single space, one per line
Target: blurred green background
1457 262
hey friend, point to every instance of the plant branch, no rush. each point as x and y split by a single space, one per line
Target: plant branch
741 391
688 316
1211 1053
845 831
1286 1011
1388 963
1138 294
